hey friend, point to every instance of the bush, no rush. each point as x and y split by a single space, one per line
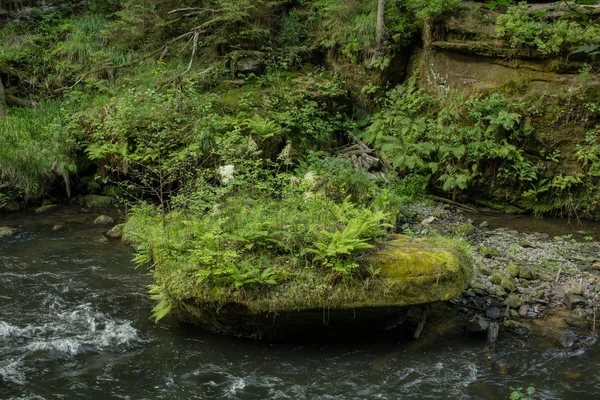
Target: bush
459 142
549 37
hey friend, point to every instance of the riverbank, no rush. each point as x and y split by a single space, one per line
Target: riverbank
527 281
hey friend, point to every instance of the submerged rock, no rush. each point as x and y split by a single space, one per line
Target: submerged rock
412 272
104 220
478 325
5 231
46 208
96 201
115 232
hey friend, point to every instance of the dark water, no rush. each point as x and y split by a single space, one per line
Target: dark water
74 325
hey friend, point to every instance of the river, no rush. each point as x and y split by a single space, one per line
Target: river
74 324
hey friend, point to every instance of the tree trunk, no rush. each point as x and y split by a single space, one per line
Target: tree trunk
380 26
3 106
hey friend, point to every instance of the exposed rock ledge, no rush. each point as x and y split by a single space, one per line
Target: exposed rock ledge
412 272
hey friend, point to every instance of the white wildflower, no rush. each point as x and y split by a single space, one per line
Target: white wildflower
309 177
226 173
294 181
286 153
252 146
307 195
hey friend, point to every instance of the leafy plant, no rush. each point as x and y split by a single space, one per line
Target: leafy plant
458 142
517 393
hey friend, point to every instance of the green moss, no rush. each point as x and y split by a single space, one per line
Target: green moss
513 270
412 272
488 252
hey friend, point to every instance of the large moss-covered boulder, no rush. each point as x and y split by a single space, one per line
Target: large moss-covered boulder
411 272
420 271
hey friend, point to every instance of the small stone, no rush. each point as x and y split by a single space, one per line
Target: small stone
577 321
484 269
539 294
57 227
488 252
507 284
484 224
567 339
116 231
513 270
465 229
478 325
596 266
526 273
5 231
572 300
558 239
523 310
102 240
46 208
493 313
470 293
428 221
513 301
104 220
496 278
515 326
525 244
498 291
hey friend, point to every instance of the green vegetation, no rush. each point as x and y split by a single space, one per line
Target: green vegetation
35 150
459 142
548 36
261 228
219 123
517 393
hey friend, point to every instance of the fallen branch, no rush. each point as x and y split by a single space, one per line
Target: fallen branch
424 312
453 203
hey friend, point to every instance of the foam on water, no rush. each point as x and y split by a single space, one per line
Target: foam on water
65 333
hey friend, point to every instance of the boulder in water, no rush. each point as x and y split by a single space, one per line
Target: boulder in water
116 231
5 231
96 201
104 220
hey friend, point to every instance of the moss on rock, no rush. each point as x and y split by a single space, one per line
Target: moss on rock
412 272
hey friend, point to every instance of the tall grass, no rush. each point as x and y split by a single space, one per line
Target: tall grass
32 141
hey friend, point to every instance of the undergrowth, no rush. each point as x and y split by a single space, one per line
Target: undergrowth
257 229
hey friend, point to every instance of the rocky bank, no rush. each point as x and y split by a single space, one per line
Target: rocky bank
525 282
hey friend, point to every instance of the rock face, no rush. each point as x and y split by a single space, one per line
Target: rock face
464 54
412 272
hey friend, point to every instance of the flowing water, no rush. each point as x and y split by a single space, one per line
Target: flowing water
74 325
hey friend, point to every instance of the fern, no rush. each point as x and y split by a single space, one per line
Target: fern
165 303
